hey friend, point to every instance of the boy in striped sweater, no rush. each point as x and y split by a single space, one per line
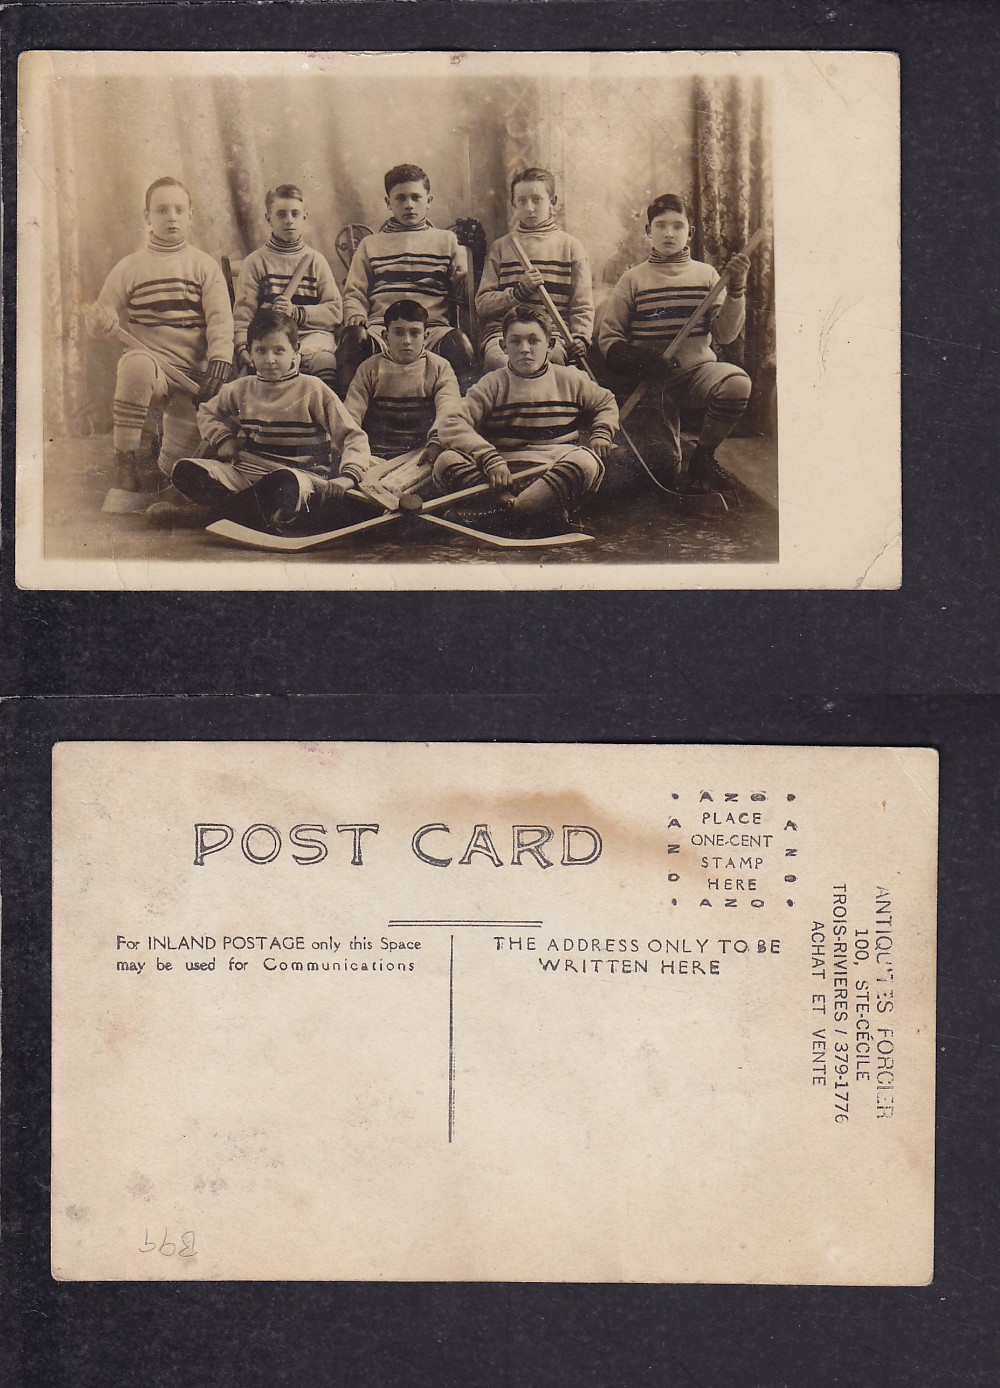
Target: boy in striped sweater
400 397
174 300
316 305
410 258
284 449
648 307
529 411
559 263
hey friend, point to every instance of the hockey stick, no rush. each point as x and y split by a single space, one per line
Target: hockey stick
567 337
292 287
689 326
390 478
172 373
423 512
298 274
470 268
290 544
687 498
414 473
573 537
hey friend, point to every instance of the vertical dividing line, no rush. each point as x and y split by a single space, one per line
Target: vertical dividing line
451 1040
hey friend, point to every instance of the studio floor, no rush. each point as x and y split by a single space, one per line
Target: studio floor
630 521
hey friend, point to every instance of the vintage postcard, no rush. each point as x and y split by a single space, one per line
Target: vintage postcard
458 320
477 1012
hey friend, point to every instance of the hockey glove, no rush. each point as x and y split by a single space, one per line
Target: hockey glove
100 323
579 349
215 378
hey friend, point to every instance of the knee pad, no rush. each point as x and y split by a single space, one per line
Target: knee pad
136 374
353 339
180 439
732 389
574 476
321 361
590 467
443 464
355 346
593 471
456 349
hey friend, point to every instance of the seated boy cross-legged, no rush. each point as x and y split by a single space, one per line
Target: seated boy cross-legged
285 450
399 398
529 411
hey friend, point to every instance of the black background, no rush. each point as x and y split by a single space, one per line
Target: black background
916 667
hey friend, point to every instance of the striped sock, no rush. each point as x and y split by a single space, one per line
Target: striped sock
453 472
726 404
134 387
129 417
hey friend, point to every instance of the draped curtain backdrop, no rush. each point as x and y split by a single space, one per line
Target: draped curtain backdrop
612 146
732 198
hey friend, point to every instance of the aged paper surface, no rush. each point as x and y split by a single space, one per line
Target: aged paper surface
475 1012
816 133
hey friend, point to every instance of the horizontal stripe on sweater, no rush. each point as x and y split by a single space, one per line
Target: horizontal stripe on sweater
175 301
273 285
295 421
558 269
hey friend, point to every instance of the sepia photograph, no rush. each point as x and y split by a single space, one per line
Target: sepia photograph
453 320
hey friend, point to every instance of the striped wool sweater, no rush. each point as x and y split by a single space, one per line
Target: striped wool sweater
506 413
174 300
652 301
564 266
399 406
265 274
296 421
425 264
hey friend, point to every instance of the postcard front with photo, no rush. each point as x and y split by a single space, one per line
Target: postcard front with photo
466 320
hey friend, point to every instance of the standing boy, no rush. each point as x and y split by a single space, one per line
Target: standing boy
400 397
316 306
284 449
648 307
410 258
175 301
529 411
559 263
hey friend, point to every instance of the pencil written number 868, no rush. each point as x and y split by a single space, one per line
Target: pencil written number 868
168 1247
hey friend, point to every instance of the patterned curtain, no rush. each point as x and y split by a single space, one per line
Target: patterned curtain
521 134
66 405
618 146
732 198
612 147
102 141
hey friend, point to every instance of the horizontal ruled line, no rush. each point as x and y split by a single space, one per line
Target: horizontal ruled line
484 924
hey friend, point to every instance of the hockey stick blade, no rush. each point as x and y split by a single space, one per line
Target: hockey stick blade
293 544
504 541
